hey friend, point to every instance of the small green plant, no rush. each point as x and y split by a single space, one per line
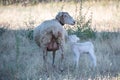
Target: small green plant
83 29
30 25
29 34
105 35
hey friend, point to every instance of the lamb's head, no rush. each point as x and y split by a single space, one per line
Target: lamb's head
65 18
73 38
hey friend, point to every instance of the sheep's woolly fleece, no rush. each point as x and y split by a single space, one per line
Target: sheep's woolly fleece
42 32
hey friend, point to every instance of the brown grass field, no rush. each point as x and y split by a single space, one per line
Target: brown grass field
21 58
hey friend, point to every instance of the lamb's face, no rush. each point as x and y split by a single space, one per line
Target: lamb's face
65 18
73 38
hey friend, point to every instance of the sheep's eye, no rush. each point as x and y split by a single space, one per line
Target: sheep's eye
65 15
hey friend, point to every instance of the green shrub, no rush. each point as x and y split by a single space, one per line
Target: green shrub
83 29
30 25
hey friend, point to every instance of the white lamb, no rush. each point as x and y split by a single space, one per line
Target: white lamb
50 35
80 48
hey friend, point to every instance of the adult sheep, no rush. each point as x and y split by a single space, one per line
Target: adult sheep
81 48
50 35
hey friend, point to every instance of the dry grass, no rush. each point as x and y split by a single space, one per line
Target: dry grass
21 59
104 16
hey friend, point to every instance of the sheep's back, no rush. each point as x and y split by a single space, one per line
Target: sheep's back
43 31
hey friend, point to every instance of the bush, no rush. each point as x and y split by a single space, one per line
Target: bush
83 29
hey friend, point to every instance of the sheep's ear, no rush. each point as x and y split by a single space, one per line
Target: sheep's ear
60 13
60 17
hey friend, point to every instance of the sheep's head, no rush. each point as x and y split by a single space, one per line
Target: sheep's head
65 18
73 38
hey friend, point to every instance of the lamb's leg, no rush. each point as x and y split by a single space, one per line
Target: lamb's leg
76 58
92 57
53 57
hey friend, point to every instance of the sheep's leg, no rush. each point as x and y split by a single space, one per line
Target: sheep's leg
62 57
53 57
62 53
44 58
